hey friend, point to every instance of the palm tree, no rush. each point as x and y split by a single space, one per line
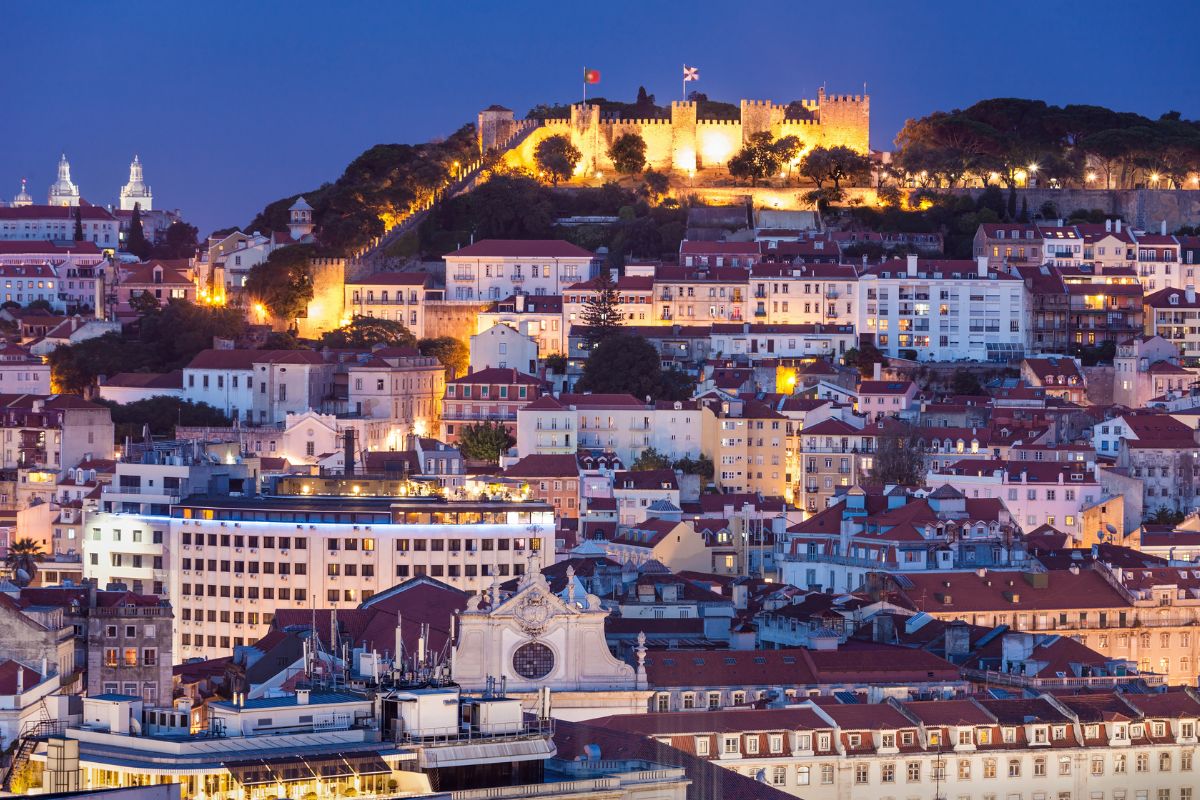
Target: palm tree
22 559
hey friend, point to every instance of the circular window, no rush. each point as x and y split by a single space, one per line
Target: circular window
533 661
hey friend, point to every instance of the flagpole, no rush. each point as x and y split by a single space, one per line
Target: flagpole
683 94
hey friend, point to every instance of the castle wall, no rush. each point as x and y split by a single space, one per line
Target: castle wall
444 318
685 143
327 306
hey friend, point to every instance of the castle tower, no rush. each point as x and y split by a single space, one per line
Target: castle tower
136 191
300 221
585 134
845 120
683 135
495 127
62 191
23 197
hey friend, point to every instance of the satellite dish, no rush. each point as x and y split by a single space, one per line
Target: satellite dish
1111 529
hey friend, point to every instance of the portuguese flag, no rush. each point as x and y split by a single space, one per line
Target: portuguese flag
591 75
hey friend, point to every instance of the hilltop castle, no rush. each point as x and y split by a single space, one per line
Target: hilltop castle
683 142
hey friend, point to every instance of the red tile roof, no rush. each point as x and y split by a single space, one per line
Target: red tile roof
520 248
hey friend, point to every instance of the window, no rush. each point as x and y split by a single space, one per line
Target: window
989 768
1039 766
803 776
861 773
1014 768
913 771
731 746
702 746
826 774
778 776
964 770
887 773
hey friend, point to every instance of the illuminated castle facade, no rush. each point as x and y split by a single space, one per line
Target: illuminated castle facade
683 142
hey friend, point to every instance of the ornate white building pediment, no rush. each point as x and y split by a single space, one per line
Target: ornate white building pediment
534 639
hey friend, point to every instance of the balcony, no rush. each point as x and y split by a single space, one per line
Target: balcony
993 677
845 561
477 416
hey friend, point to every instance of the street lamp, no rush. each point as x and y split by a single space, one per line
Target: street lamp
1091 177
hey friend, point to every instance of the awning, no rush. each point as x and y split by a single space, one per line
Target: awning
486 753
260 771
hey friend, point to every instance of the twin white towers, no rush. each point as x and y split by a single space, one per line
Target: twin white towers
64 192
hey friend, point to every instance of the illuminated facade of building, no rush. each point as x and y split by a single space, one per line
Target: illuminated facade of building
229 561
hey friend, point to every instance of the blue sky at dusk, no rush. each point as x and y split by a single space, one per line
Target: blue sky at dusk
231 105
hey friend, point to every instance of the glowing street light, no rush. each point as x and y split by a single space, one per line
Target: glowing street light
1154 177
1091 177
1033 167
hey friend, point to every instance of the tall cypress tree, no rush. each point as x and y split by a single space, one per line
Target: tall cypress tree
78 225
137 243
601 315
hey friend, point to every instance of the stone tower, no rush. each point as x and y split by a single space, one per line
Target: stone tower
136 191
496 125
845 120
300 219
683 135
62 191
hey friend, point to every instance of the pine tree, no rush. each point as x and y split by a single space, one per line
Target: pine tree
78 225
137 243
601 315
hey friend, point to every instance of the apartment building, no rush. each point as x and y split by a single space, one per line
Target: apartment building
782 340
833 454
259 386
52 432
540 317
396 296
493 269
803 294
700 295
399 384
229 560
494 395
1146 616
870 531
1174 314
939 310
620 424
747 442
1101 747
635 299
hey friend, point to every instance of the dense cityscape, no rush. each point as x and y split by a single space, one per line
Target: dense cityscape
635 449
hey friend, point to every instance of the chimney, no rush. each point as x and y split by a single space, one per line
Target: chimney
1163 228
1117 225
349 455
877 371
1108 226
98 300
958 641
1190 293
519 302
982 263
302 697
912 265
884 629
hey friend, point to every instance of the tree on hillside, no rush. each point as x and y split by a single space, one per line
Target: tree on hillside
758 159
965 382
626 363
655 186
451 352
864 358
650 459
628 153
178 242
835 164
136 243
556 157
601 315
485 441
161 415
22 560
898 457
283 283
79 235
366 332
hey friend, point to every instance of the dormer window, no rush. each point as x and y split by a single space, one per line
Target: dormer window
854 739
964 737
887 740
823 741
1010 735
1120 733
1091 731
1136 731
983 736
906 738
935 738
1187 730
1160 729
1039 735
1060 732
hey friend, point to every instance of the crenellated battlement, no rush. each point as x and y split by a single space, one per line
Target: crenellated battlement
615 120
684 142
